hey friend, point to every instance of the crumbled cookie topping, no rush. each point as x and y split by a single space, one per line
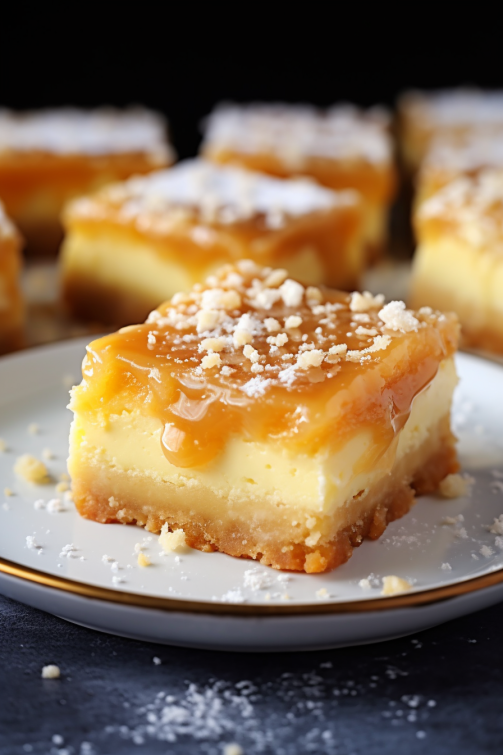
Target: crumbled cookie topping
255 335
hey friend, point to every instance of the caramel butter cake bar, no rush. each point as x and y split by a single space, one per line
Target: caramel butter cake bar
133 245
11 300
459 260
341 148
451 114
265 419
49 156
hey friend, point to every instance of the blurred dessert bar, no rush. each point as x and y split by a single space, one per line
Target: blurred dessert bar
459 260
451 114
341 148
265 419
134 244
11 300
50 156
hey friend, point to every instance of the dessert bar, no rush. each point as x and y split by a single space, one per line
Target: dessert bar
132 245
341 148
459 260
49 156
266 419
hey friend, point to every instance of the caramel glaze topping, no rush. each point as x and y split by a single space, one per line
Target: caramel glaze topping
255 354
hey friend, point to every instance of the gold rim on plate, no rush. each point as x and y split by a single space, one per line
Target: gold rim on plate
405 600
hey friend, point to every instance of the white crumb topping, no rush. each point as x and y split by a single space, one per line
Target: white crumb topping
393 585
258 337
313 295
365 301
311 358
293 321
446 567
32 470
361 331
322 593
296 134
50 672
257 386
396 317
242 337
471 205
210 361
93 132
486 551
276 278
456 486
278 340
172 541
227 371
213 344
33 428
218 298
291 292
214 194
365 584
251 353
207 319
272 325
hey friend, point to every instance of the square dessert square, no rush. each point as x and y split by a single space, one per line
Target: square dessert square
265 419
50 156
343 147
133 245
451 114
459 259
11 300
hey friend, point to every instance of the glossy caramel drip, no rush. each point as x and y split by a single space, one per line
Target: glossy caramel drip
208 372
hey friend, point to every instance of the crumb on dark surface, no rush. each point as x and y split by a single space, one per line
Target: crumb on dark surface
442 689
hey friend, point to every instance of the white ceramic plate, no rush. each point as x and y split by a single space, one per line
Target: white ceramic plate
212 600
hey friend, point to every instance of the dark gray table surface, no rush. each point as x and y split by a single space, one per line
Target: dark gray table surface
440 691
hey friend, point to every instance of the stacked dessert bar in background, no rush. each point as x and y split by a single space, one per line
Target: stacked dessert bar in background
453 142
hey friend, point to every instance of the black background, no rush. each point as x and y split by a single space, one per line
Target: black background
183 59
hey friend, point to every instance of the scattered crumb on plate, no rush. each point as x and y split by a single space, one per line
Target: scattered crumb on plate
32 470
456 486
171 541
393 585
51 672
143 559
